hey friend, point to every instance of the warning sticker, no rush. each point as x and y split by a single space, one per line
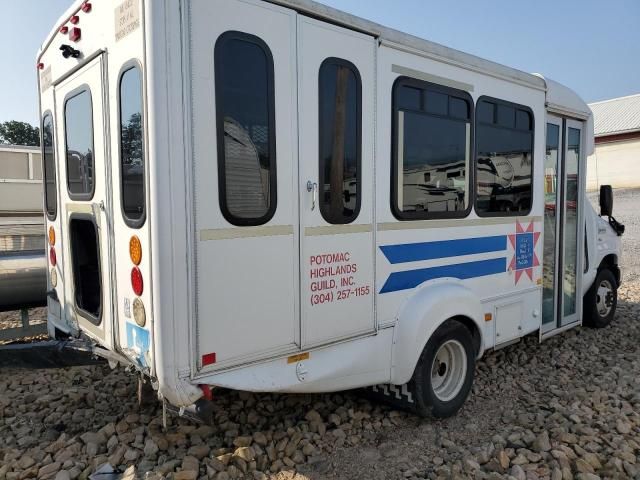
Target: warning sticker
45 79
127 18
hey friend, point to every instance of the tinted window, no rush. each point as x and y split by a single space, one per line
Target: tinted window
48 157
486 112
132 146
436 102
432 154
504 161
78 121
246 128
409 98
340 124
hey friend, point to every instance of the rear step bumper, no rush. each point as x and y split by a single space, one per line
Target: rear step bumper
48 354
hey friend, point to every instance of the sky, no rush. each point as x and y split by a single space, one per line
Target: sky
592 46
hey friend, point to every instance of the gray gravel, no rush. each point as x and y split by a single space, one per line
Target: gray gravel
568 408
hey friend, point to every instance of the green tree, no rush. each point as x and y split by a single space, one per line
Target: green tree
19 133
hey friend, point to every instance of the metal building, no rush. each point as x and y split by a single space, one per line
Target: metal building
22 242
616 160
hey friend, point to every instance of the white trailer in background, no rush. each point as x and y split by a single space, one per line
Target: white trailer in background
278 196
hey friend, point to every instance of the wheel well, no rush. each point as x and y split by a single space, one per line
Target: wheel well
611 262
473 328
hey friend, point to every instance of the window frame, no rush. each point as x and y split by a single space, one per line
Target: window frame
87 196
54 215
131 222
404 80
219 118
516 106
321 163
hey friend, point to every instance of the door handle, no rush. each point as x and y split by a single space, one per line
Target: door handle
313 187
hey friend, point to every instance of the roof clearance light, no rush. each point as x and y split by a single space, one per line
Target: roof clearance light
136 281
86 7
74 36
52 257
64 29
75 19
135 250
52 236
40 66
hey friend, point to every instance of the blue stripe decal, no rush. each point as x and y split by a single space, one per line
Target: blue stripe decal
414 252
412 278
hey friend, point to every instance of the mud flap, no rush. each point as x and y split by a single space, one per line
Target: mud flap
397 396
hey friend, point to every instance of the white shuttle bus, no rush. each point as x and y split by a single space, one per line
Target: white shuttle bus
278 196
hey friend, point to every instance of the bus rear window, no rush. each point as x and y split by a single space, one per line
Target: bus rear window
49 167
78 126
132 147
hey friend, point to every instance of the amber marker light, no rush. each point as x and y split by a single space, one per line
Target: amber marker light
135 250
52 236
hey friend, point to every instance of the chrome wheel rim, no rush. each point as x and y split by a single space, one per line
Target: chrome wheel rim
604 298
448 370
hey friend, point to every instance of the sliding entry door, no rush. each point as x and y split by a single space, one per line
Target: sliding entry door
564 162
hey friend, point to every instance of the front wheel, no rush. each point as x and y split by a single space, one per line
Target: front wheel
600 302
444 373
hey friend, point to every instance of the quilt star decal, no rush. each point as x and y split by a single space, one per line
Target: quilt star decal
524 258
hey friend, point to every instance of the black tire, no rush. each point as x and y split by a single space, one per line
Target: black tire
594 314
427 402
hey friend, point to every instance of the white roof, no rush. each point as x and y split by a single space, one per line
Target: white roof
558 96
618 115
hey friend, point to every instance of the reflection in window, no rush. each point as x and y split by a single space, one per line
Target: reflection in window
339 176
132 145
432 151
245 126
48 157
570 255
550 201
78 124
504 158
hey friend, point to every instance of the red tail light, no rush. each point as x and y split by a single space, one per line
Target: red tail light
136 281
74 36
52 257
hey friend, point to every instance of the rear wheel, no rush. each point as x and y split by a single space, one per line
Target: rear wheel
600 302
444 373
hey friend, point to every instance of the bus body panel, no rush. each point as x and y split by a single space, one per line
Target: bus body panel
229 302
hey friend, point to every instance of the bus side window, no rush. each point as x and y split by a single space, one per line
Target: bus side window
245 123
340 124
431 150
132 155
49 168
504 158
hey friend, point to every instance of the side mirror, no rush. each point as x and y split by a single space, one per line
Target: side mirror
606 200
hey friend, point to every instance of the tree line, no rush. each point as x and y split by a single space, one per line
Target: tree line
14 132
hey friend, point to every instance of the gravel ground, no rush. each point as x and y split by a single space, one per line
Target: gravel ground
567 408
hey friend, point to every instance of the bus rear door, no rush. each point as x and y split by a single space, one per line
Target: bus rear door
82 141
